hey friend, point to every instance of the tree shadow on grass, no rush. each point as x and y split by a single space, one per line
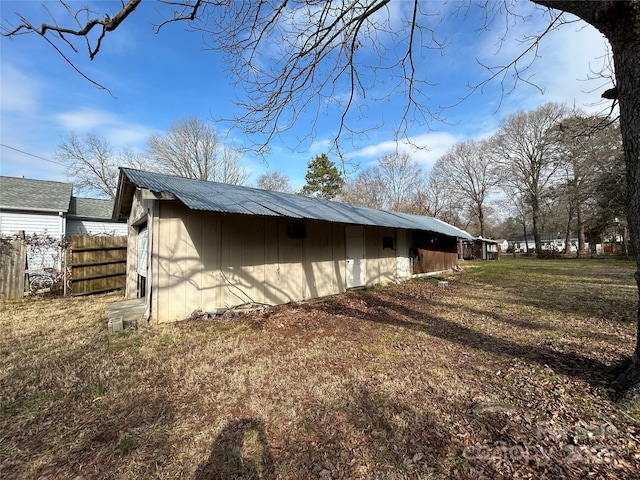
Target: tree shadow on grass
241 450
361 431
397 313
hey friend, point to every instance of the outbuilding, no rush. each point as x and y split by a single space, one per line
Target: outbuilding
206 246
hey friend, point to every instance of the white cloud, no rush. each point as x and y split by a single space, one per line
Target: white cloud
320 146
564 59
20 92
117 131
570 57
425 148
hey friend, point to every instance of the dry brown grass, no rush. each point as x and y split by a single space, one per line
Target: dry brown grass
505 373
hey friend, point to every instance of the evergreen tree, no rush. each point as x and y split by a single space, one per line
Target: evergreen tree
323 178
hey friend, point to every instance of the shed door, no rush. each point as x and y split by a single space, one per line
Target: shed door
143 240
355 257
402 254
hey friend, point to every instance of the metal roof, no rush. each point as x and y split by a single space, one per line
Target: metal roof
221 197
34 195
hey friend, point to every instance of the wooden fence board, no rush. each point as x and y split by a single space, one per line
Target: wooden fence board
13 260
98 264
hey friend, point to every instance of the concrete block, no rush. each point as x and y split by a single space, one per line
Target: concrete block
115 325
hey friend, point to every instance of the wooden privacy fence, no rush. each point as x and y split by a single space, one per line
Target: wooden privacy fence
98 264
13 259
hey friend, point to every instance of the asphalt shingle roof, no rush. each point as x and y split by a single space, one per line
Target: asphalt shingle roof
95 208
34 195
221 197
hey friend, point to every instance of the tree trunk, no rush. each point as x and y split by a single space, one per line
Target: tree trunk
535 209
567 238
625 44
580 232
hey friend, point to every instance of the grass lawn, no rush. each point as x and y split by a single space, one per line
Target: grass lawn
504 373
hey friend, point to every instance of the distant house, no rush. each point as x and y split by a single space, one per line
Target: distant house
480 248
503 244
550 241
196 245
92 216
48 208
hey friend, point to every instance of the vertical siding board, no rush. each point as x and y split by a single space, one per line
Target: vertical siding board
211 261
371 256
309 258
319 255
179 303
156 261
231 254
192 238
291 272
261 274
227 257
253 259
169 245
339 254
237 285
162 282
272 292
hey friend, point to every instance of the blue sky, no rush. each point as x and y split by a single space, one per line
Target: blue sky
157 79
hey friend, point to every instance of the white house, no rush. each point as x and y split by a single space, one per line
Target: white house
49 209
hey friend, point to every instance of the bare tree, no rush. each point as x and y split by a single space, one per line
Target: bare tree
92 165
435 197
527 149
314 47
192 149
522 211
400 174
472 172
586 147
366 189
274 181
391 184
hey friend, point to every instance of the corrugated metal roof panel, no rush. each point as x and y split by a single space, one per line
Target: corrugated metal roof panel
221 197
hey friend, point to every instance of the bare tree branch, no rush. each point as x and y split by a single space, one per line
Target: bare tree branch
106 24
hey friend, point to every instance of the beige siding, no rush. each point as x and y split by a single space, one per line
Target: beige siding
209 261
381 263
243 256
339 257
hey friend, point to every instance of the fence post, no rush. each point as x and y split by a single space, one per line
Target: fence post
65 276
23 247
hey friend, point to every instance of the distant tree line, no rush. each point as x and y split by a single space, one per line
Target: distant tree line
552 169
